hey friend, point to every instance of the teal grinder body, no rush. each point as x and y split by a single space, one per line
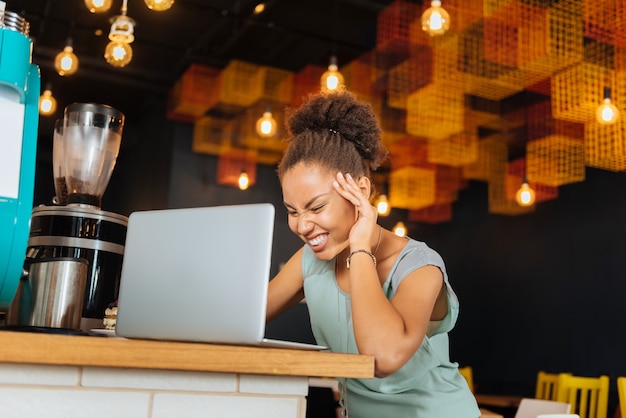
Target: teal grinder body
19 119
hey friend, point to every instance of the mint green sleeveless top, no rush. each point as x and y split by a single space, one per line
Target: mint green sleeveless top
429 385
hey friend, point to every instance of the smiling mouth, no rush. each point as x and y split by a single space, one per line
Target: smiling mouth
320 239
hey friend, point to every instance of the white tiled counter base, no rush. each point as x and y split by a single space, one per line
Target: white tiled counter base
35 391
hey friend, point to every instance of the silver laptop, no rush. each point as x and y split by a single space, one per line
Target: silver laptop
198 275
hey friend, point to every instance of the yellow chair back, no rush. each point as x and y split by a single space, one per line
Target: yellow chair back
621 392
588 396
546 387
468 374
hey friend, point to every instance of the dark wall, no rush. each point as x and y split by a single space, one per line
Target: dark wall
144 165
541 291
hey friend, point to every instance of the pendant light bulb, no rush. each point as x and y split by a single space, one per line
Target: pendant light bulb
400 229
66 62
98 6
607 112
159 5
47 102
332 79
259 8
525 195
122 29
266 125
244 181
435 20
382 205
118 54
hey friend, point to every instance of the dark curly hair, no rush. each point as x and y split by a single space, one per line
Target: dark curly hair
336 131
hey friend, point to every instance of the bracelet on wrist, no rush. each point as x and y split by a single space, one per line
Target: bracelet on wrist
360 251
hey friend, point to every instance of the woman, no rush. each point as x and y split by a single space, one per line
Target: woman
368 291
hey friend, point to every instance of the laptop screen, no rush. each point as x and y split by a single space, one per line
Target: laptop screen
197 274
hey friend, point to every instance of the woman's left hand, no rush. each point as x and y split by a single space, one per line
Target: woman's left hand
366 214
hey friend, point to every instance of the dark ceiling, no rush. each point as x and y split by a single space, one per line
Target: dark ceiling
289 35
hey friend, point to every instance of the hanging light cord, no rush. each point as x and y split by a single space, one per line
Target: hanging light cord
334 45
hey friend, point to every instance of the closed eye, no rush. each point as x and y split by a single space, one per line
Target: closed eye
308 207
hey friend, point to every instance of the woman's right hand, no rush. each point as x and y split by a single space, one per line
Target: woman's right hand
366 215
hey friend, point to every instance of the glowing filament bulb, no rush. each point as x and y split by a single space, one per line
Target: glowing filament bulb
382 205
118 54
400 229
259 8
435 20
244 180
98 6
332 79
66 62
266 125
525 196
159 5
607 112
47 103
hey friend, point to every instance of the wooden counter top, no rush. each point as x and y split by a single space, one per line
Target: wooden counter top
55 349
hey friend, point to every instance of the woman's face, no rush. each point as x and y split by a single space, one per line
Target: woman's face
317 213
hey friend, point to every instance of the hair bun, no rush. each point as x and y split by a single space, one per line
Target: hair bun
340 112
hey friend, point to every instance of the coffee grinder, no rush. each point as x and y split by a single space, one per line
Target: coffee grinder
19 119
85 149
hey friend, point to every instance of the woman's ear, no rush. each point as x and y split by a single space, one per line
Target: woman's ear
365 185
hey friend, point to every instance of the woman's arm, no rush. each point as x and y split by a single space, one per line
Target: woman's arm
392 331
286 288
